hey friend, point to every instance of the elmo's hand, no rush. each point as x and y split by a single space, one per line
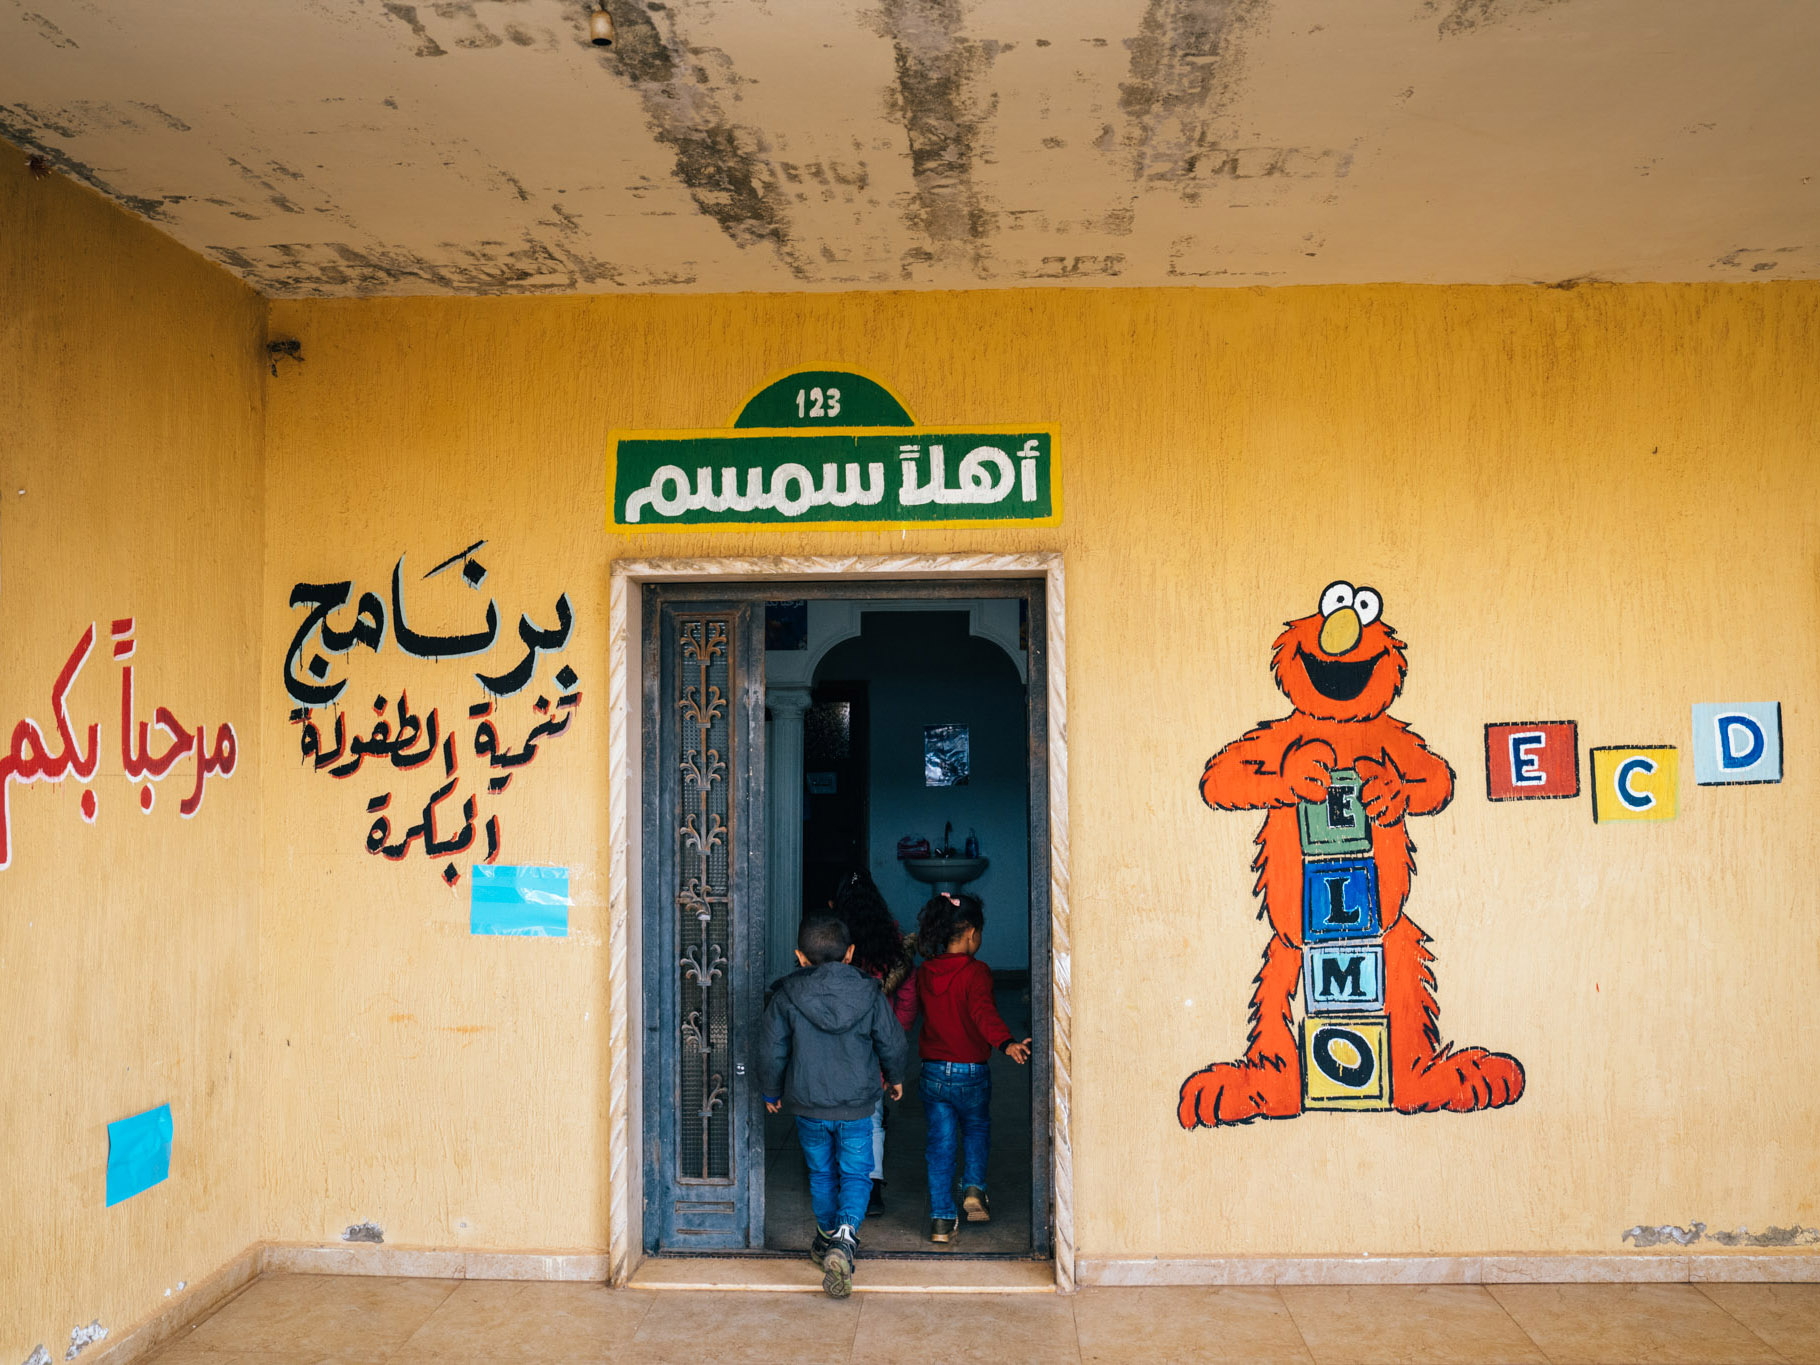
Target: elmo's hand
1306 768
1384 792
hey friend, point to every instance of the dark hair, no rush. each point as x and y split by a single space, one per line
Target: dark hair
942 917
822 939
878 943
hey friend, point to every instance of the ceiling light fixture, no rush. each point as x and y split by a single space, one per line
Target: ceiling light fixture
600 25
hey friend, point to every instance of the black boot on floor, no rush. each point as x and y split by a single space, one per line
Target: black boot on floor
974 1205
837 1262
876 1204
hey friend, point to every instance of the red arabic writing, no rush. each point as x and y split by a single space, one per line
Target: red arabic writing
28 758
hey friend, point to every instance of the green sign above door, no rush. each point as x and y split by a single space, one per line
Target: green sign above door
831 449
819 398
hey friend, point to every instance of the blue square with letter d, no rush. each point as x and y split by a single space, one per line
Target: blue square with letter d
1739 742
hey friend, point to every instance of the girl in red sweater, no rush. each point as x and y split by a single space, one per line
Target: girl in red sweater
961 1027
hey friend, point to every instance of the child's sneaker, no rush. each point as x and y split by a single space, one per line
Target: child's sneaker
837 1262
818 1249
941 1229
973 1202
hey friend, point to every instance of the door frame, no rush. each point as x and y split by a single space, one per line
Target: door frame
625 1085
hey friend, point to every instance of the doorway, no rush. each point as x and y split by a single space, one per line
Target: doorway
740 744
917 729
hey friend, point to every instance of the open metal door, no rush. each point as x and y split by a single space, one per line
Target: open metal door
704 916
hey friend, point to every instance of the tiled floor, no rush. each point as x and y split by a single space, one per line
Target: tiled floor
312 1320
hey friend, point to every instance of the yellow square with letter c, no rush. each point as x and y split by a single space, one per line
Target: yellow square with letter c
1635 782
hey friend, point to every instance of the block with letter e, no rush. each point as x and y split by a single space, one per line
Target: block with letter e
1338 978
1532 760
1337 826
1346 1063
1339 899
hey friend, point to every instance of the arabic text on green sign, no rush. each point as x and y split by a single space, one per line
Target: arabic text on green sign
799 477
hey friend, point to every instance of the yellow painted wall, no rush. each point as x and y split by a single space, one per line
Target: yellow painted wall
131 429
1595 504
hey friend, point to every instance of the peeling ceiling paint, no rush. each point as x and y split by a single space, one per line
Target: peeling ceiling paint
339 148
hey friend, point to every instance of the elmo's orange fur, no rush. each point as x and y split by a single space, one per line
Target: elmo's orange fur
1342 697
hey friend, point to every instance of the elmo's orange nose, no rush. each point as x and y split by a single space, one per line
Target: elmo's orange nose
1341 631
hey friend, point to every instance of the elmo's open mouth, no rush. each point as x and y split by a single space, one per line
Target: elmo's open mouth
1336 679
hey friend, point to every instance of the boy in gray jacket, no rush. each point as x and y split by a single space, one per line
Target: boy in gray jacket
828 1033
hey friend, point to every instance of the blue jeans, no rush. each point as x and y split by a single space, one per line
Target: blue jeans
839 1153
957 1100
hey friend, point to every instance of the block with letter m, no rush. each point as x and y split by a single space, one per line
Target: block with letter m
1342 978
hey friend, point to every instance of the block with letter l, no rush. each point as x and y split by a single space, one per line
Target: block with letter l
1339 899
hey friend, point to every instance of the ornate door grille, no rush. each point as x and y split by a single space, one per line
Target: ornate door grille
704 899
704 888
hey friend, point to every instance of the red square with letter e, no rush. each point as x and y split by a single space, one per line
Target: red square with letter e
1532 760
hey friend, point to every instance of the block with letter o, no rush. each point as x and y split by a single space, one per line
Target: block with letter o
1346 1063
1737 743
1532 760
1634 782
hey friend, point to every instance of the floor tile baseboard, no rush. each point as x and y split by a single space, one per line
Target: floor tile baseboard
359 1258
1593 1268
185 1307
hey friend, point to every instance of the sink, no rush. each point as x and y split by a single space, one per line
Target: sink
945 874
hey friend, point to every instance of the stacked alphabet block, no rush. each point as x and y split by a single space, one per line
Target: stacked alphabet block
1345 1034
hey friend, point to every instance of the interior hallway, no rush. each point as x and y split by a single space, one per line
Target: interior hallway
309 1319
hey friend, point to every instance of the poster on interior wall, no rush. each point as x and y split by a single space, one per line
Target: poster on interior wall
440 773
831 450
947 755
1339 779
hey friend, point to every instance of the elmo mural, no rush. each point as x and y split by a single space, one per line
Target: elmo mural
1339 778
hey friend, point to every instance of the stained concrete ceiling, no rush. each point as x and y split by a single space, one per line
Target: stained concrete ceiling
359 147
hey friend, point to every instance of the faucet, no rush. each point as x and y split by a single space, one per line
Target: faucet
948 840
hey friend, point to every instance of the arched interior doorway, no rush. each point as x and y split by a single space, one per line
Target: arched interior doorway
912 725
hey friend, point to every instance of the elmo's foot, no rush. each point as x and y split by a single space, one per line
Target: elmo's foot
1461 1081
1237 1092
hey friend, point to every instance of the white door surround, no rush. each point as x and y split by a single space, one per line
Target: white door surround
624 758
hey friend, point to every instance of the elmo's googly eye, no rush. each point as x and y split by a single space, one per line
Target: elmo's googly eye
1337 595
1365 602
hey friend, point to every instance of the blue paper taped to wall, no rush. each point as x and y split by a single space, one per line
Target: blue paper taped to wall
138 1153
519 900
